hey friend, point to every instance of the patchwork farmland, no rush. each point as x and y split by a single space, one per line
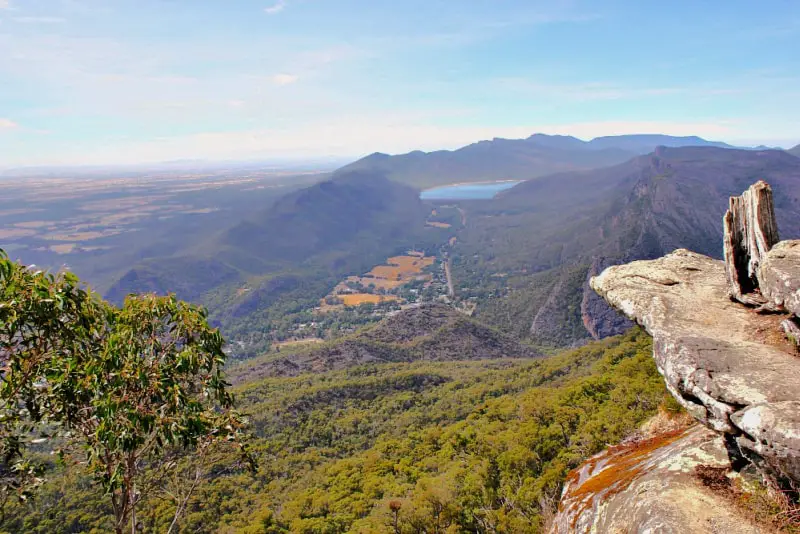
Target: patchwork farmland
381 283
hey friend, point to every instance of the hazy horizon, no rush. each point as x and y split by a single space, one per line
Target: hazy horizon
91 82
309 164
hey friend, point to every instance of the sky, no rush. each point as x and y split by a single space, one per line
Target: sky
133 81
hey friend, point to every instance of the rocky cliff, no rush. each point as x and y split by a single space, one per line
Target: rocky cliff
731 366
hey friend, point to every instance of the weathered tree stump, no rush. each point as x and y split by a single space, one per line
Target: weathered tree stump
750 231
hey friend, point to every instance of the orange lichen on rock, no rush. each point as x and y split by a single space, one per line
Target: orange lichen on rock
614 469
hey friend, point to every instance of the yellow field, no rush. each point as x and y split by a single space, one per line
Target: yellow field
398 271
400 267
438 224
82 236
362 298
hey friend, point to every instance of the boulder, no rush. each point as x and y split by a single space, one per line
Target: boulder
779 276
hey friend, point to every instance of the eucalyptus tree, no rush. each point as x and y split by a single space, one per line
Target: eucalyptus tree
122 387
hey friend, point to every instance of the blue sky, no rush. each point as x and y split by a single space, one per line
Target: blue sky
125 81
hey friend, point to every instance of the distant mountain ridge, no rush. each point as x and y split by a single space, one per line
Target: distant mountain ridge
587 220
795 151
521 159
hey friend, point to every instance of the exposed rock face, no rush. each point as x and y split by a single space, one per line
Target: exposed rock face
598 317
750 231
779 276
729 366
650 487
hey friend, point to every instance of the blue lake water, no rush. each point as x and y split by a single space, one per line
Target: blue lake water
477 191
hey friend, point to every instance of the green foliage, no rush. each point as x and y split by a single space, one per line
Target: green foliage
123 387
473 446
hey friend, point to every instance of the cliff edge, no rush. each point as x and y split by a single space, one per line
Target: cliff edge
725 338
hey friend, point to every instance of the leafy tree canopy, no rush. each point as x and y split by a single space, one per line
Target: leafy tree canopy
117 388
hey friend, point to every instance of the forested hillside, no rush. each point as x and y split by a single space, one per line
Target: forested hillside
286 258
526 255
433 332
478 446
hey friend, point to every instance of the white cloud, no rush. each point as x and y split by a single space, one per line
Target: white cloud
4 4
6 124
272 10
284 79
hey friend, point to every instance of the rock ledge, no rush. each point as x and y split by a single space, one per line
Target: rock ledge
728 365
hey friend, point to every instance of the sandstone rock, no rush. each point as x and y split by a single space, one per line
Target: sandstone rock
729 366
650 487
779 276
599 319
749 232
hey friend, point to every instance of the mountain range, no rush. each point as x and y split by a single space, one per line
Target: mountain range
518 159
524 257
559 230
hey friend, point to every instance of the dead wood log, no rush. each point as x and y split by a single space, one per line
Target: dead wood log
750 231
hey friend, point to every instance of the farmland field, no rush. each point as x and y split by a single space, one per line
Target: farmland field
356 299
400 267
376 285
98 224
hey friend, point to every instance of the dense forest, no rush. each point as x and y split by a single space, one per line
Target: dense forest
482 446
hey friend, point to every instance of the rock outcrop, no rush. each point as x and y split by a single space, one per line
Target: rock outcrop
728 365
779 276
749 232
725 339
652 485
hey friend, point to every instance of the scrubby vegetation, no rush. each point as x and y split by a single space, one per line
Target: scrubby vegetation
478 446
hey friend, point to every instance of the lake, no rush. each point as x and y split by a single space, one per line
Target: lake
476 191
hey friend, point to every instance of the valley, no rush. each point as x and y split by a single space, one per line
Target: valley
402 360
320 262
423 267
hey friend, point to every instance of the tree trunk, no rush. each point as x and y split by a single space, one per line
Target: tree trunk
750 231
